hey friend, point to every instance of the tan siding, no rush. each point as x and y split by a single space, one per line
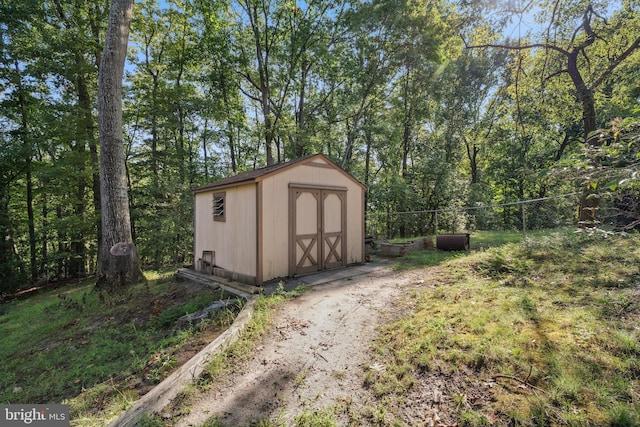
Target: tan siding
203 223
234 240
275 203
355 225
275 231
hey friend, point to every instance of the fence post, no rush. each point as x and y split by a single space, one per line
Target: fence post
524 220
436 230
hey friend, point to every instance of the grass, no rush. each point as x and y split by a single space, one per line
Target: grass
243 348
527 331
239 351
548 324
478 241
92 349
535 331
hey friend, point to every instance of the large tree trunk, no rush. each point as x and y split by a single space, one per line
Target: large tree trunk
119 263
589 201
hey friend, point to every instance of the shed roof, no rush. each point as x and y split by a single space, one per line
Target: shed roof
261 173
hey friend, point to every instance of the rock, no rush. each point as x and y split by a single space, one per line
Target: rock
195 318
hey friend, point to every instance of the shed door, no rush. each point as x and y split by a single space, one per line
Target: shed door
318 224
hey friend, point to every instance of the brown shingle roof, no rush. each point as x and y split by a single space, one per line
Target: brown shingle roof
252 176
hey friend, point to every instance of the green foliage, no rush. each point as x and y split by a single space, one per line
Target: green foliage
608 167
147 421
385 89
58 343
613 156
324 417
624 416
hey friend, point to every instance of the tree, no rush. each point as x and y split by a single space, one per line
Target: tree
611 167
76 39
165 108
119 263
581 43
18 105
11 266
589 54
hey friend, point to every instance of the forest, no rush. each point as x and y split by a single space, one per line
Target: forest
431 104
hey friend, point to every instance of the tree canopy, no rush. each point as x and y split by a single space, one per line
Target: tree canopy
430 103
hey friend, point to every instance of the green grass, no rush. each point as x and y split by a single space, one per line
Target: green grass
478 241
243 348
544 328
551 321
77 345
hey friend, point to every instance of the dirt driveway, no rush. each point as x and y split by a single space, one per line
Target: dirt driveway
314 356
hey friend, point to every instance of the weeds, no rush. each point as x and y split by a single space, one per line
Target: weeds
242 348
536 332
300 378
324 417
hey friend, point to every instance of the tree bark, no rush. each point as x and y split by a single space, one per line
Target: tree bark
472 155
119 269
10 264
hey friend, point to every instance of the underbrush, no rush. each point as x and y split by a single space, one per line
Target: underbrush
541 332
223 362
98 351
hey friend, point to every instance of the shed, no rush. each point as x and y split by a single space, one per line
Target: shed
283 220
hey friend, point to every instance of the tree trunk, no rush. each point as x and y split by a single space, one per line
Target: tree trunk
10 263
93 141
86 135
115 268
472 156
28 150
205 156
589 201
300 138
229 130
367 172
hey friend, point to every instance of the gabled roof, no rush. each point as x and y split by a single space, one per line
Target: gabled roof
259 174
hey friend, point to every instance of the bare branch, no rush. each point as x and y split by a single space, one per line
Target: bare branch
598 15
249 95
557 73
521 381
520 47
553 18
612 66
519 11
551 22
248 78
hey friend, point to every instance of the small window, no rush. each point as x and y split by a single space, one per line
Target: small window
219 206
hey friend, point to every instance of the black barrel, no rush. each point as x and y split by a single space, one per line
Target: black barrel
453 242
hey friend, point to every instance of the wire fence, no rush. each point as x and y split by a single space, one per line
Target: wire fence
526 215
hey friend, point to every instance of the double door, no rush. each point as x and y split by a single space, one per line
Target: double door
317 229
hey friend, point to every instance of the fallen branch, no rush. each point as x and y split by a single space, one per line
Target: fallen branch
319 355
524 382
